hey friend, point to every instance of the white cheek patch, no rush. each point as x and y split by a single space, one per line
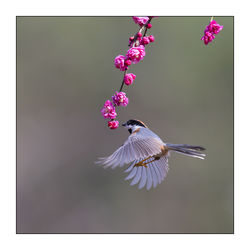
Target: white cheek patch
135 127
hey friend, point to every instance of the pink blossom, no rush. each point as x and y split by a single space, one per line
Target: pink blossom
129 78
120 99
145 40
151 38
149 26
208 37
136 54
108 110
120 62
113 124
213 27
140 20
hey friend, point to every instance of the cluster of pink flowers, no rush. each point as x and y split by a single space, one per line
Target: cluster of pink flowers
141 20
121 63
129 78
120 99
113 124
108 110
212 29
134 55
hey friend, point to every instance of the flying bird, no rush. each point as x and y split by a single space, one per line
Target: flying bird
148 154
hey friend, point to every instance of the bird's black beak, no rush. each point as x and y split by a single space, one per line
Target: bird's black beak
124 124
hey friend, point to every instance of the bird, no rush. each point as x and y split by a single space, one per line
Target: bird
148 155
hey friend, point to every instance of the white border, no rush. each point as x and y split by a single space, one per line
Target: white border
9 9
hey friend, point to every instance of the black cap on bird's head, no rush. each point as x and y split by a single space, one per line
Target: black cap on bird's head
132 123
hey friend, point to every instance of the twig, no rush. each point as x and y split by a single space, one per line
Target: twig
123 80
133 43
147 26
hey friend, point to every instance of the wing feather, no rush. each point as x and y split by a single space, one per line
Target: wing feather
149 182
143 178
161 172
157 173
137 177
132 174
131 167
152 175
138 145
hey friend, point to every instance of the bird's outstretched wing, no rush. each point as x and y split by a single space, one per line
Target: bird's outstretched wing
150 175
139 145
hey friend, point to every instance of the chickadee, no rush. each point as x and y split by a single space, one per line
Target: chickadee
148 154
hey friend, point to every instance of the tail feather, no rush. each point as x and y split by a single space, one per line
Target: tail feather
193 151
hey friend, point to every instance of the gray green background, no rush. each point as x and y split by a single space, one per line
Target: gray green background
183 92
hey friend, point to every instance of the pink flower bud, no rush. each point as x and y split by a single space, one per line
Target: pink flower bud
136 54
139 34
120 62
129 78
151 38
113 124
131 38
108 110
145 40
149 25
128 62
120 99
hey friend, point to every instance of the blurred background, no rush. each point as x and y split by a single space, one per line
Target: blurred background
183 92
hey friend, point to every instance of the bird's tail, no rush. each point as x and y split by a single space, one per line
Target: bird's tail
193 151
